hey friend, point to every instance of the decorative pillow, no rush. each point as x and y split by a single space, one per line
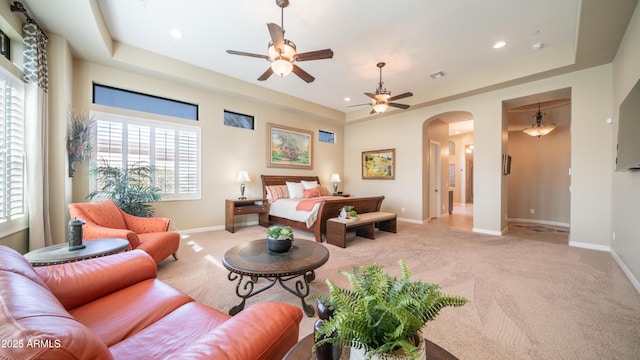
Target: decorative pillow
311 193
324 191
309 184
275 192
296 190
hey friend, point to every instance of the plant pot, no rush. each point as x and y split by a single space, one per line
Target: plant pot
360 354
279 246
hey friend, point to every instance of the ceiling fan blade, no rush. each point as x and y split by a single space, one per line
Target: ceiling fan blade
314 55
277 37
302 74
401 96
401 106
372 111
359 105
242 53
373 96
266 74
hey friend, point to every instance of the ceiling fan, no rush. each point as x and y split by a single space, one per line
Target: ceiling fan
382 99
282 52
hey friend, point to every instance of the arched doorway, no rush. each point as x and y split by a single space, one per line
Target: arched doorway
447 171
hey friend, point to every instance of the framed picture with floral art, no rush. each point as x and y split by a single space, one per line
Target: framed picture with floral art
290 147
379 164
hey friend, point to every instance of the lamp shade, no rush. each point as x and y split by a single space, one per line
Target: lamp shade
380 107
243 176
335 178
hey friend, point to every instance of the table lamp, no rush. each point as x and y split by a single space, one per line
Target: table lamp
243 177
335 179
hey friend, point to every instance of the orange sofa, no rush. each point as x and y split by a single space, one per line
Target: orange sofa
113 307
106 220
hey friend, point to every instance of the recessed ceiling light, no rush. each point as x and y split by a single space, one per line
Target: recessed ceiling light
347 99
438 74
176 33
499 44
537 46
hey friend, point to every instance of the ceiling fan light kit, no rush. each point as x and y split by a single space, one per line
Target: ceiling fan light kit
283 52
382 99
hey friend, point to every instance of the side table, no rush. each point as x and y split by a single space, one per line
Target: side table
60 253
235 207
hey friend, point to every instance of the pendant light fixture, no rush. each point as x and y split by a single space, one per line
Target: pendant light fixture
539 127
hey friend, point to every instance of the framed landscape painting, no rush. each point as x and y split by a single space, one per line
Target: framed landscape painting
290 148
379 164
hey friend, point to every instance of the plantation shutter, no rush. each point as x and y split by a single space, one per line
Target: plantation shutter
12 151
173 150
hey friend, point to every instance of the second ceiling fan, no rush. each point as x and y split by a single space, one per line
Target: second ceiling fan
382 99
282 52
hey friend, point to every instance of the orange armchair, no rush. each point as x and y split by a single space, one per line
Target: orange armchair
106 220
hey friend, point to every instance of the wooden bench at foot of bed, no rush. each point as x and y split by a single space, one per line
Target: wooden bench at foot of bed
365 226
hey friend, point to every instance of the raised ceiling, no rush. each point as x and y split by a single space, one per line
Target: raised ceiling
414 38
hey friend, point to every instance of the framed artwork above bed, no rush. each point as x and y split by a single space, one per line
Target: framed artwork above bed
290 147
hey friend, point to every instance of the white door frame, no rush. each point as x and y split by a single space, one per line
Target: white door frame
435 196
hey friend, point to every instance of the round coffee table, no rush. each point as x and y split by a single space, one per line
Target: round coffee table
250 261
60 253
303 351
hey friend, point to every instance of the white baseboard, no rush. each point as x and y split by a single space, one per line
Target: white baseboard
589 246
488 232
199 230
542 222
625 269
419 222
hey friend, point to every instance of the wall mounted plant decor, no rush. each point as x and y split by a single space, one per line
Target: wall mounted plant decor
79 138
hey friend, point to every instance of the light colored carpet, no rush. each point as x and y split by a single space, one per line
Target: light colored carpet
528 299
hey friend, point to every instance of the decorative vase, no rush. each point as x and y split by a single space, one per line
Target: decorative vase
326 351
343 214
279 246
361 354
75 234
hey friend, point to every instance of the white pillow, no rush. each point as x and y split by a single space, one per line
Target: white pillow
296 190
309 184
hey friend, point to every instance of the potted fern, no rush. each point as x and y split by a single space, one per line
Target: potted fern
382 316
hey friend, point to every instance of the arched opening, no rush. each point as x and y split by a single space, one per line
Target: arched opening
447 170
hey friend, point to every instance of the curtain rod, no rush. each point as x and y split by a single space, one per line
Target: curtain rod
18 7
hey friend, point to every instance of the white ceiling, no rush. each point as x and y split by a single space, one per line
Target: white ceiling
414 37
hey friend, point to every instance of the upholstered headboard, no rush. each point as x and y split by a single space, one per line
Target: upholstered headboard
268 180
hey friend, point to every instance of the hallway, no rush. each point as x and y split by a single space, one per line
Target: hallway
462 219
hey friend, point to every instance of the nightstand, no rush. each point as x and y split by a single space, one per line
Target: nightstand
243 207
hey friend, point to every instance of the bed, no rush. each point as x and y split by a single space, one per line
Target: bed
327 207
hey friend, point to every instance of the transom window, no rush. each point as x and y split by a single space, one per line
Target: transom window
172 149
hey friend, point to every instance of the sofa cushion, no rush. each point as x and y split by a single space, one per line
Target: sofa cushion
170 335
130 310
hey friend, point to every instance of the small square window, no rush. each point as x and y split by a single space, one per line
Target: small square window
326 137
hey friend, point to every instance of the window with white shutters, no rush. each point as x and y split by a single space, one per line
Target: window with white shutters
172 149
13 202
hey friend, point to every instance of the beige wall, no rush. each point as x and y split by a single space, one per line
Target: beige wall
626 185
225 150
591 149
539 176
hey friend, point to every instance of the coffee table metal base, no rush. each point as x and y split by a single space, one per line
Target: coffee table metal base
246 288
293 270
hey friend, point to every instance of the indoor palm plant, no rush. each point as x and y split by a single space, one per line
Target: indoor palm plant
130 188
381 314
